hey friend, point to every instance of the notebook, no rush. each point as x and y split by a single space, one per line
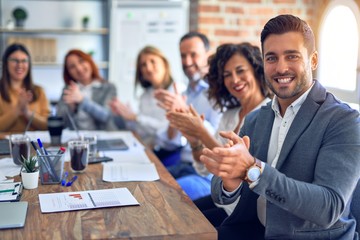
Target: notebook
13 214
10 191
111 144
4 147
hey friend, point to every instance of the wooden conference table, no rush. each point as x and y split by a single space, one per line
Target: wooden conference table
165 212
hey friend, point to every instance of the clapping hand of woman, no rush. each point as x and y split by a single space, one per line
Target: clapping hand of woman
121 109
25 97
72 95
188 122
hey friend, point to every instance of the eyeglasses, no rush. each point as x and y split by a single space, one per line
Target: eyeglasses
18 61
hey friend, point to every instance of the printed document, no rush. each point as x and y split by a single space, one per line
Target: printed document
124 172
70 201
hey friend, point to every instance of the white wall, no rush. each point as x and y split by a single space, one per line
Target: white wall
135 24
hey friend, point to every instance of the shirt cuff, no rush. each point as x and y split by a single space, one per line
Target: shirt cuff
230 194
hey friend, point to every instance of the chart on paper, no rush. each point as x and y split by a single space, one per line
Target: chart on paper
69 201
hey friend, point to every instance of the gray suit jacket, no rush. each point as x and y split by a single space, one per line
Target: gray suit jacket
309 192
96 108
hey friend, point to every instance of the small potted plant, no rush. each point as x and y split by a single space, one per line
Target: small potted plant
20 15
85 21
30 172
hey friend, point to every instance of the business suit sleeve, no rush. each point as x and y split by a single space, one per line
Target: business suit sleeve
99 109
321 169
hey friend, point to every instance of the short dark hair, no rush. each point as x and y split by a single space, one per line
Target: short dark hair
289 23
217 90
203 38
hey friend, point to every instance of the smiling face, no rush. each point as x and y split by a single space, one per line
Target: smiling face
239 78
288 66
194 58
18 66
153 69
79 69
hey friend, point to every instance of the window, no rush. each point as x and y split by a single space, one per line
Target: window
339 51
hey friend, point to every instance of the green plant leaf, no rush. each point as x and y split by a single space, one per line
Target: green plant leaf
30 164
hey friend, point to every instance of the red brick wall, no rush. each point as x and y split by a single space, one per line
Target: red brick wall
242 20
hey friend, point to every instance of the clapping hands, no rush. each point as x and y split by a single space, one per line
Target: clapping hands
119 108
188 122
72 95
170 101
229 162
25 98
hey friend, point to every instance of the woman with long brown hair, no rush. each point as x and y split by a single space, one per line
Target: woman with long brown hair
21 101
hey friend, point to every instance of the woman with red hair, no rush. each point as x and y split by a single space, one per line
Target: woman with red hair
86 94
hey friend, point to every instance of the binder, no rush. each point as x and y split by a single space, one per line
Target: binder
10 192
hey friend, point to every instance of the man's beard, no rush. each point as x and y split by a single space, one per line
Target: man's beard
195 77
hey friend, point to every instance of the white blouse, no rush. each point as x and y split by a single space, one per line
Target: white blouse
228 122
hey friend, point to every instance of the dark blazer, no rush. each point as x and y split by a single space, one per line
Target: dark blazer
309 192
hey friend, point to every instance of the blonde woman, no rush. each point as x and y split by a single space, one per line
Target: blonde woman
152 72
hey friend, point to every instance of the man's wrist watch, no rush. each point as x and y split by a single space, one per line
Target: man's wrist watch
253 173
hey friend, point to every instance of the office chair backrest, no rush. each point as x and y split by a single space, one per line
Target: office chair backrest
355 206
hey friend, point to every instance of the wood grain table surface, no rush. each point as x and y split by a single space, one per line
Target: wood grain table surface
165 212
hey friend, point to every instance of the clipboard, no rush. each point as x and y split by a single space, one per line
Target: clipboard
10 192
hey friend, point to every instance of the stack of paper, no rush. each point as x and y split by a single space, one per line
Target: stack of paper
70 201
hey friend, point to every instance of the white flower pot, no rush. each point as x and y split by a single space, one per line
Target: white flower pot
30 180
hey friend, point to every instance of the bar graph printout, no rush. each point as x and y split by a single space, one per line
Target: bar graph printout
70 201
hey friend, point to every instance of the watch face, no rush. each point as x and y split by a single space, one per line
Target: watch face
253 174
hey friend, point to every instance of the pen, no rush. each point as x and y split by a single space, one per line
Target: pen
45 162
63 180
42 147
51 165
35 148
71 181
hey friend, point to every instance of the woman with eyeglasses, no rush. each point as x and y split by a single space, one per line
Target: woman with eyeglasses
22 103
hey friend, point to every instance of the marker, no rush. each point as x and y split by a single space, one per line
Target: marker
59 153
61 150
6 190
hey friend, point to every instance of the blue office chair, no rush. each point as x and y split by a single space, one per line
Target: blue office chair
355 206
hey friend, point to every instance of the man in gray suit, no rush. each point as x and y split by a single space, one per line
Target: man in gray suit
296 178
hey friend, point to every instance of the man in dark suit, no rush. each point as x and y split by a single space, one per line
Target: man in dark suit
296 178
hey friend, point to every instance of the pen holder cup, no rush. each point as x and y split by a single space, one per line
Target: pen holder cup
51 168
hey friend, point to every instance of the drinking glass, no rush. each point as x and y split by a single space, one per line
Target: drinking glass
19 147
79 155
